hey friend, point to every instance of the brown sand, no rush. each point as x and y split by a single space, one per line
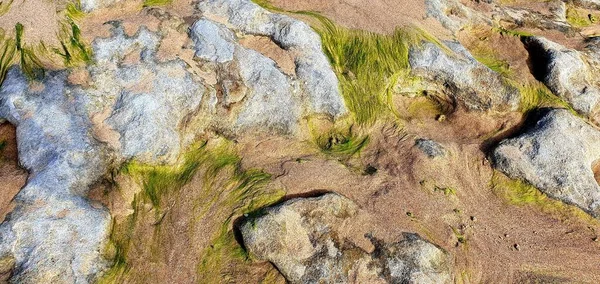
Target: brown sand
38 18
381 16
12 178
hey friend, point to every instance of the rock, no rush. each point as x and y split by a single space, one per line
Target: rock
567 73
556 156
54 233
462 77
91 5
431 148
316 80
304 238
270 99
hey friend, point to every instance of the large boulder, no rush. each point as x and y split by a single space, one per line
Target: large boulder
305 239
568 73
556 155
457 73
317 82
69 134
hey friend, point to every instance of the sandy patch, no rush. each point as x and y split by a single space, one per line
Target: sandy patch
381 16
268 48
38 18
11 176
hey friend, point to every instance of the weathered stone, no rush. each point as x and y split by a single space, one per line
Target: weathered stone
431 148
556 155
462 77
316 79
304 238
566 72
54 234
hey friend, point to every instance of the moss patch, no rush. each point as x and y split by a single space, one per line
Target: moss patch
520 193
154 3
217 190
580 18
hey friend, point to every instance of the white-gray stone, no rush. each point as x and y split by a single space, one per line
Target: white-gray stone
556 155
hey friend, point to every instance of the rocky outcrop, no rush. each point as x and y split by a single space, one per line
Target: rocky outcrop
317 83
304 238
567 72
556 155
68 134
78 124
431 148
462 77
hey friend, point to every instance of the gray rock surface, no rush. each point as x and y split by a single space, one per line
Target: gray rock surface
269 99
78 124
556 156
317 81
462 77
431 148
55 234
304 238
91 5
567 72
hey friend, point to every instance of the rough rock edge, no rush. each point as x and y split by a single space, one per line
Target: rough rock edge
556 155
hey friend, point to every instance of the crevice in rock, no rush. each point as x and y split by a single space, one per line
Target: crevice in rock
538 60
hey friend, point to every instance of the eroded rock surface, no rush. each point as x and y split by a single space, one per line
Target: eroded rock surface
462 77
570 74
68 136
304 238
556 155
317 83
78 124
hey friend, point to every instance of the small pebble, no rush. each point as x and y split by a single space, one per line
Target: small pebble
516 246
473 218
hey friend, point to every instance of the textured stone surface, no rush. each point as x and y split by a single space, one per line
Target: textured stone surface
267 98
556 155
304 238
566 72
316 80
54 234
431 148
462 77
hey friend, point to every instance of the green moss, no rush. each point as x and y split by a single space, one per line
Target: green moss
369 65
2 145
154 3
227 190
520 193
72 49
7 53
266 4
73 11
500 66
342 144
579 18
537 95
28 60
507 32
5 6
